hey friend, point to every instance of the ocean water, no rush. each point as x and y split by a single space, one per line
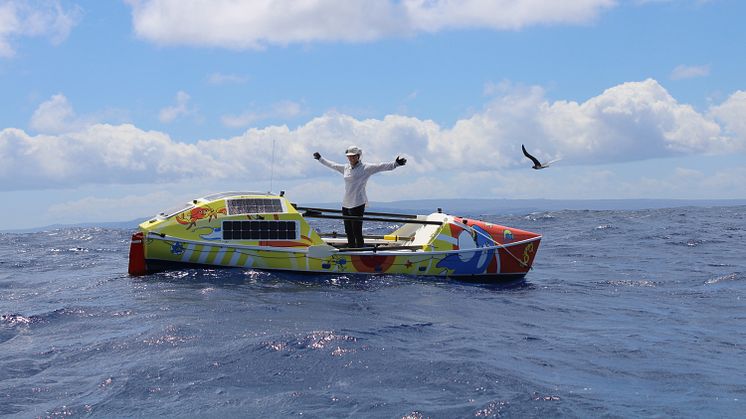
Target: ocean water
625 314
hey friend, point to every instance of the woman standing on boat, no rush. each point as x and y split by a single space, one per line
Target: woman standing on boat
356 174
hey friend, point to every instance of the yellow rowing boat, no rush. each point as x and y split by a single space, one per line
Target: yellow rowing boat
266 231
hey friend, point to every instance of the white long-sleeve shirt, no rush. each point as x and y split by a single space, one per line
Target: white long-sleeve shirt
356 178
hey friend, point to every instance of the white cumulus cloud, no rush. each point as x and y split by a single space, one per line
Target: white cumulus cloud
731 115
100 153
630 122
34 18
181 108
682 72
223 79
56 115
256 24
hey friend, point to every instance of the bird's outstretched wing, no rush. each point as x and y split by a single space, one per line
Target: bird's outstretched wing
537 163
550 162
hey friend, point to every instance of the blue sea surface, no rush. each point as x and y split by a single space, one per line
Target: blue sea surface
626 314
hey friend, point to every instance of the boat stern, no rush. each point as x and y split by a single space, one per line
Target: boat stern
137 265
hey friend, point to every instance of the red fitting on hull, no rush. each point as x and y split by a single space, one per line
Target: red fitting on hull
137 255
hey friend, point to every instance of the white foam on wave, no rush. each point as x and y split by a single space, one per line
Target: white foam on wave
730 277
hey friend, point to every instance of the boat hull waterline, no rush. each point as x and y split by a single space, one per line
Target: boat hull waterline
267 232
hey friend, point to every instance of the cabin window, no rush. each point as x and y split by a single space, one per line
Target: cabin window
260 230
254 206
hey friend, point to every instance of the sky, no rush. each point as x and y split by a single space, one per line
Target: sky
117 110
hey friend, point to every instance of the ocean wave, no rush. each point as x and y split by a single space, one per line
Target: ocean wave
315 340
735 276
540 216
632 283
17 320
695 242
641 294
171 336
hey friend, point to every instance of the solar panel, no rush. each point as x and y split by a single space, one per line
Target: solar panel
254 206
260 230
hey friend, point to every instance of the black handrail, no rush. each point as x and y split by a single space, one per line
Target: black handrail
375 249
312 214
335 234
338 211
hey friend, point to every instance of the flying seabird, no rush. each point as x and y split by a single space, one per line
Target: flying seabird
537 164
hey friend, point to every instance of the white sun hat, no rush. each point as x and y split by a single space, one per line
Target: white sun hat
354 150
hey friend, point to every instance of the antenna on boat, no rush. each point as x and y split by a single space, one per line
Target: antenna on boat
272 167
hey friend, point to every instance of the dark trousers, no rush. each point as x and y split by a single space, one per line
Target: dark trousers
353 228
